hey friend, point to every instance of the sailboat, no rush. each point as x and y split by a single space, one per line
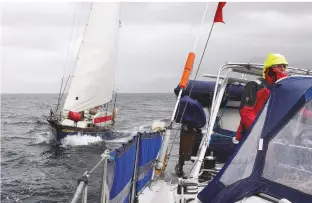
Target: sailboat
88 107
272 163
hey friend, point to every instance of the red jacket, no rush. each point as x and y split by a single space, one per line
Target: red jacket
248 114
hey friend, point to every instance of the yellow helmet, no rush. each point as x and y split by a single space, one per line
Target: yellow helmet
273 59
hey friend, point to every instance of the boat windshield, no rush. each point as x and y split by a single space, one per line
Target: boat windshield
289 156
242 165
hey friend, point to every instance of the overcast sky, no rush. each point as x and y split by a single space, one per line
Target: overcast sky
154 41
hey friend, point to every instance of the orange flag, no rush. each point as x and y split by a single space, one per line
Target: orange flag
219 14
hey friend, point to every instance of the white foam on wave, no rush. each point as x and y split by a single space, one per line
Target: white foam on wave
44 137
78 140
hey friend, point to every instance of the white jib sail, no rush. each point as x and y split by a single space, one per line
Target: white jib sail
93 80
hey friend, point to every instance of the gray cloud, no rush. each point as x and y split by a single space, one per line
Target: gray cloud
43 14
154 41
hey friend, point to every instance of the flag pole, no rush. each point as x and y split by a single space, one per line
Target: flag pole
218 18
202 150
163 152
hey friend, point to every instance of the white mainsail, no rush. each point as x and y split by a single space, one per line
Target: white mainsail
93 80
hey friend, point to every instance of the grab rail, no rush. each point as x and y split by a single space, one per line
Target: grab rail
83 181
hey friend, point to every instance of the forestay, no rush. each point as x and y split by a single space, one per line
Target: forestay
92 84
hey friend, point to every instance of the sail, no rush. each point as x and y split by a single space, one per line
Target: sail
93 80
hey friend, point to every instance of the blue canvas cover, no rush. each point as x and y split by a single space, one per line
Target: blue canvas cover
121 166
121 170
193 113
281 167
149 145
202 91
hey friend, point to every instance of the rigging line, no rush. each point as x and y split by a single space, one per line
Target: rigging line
65 87
66 58
70 39
75 36
200 59
84 32
58 100
196 41
201 25
71 73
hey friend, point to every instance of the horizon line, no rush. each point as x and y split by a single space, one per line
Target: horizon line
66 93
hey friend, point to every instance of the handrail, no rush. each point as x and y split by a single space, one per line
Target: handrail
83 181
256 69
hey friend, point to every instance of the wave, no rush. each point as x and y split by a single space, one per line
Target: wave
78 140
37 122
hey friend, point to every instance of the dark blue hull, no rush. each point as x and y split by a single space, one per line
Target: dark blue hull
61 132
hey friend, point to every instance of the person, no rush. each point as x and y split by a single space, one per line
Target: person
256 93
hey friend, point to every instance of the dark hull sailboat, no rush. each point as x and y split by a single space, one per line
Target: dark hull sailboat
86 108
60 131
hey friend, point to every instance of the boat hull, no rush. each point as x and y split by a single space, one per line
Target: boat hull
60 131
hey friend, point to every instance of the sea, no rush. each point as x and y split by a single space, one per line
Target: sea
34 168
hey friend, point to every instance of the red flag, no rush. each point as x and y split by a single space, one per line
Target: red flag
219 14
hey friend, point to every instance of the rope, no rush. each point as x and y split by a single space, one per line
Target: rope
66 58
85 30
60 97
201 59
97 165
70 40
58 100
201 24
65 86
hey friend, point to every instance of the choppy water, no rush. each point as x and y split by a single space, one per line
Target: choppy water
34 169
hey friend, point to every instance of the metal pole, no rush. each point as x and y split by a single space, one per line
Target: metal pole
115 99
114 116
176 106
206 139
166 139
135 171
103 200
78 192
85 195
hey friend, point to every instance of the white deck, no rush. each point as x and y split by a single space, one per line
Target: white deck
162 191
